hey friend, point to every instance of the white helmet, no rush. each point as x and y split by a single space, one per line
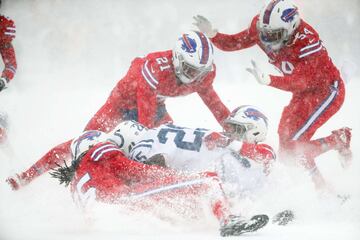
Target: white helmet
277 22
127 134
193 57
246 123
85 141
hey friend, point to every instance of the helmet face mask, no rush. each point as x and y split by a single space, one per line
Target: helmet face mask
246 123
191 73
236 131
192 57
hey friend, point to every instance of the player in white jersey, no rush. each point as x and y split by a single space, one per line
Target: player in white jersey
235 154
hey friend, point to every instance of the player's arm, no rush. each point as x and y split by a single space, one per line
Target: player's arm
301 79
146 104
260 153
56 156
7 52
8 55
213 101
228 42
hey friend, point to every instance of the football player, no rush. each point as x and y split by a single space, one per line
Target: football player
101 172
318 91
237 154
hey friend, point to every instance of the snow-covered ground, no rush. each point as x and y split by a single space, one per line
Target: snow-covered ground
70 55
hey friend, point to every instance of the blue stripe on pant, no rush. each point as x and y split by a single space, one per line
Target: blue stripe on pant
319 111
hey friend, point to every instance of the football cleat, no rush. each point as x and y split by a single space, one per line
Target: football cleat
342 138
283 218
236 225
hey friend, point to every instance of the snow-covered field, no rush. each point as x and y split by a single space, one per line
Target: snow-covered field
72 52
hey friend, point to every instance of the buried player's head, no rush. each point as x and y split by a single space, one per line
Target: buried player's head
246 123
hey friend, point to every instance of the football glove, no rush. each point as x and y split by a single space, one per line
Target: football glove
259 75
15 182
204 26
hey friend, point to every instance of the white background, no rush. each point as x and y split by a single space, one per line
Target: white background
71 53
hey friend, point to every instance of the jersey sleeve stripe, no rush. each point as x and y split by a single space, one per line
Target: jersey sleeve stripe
308 50
11 69
150 79
100 150
113 149
310 46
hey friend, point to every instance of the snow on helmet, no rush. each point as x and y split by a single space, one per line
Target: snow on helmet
247 123
277 22
85 141
127 134
193 57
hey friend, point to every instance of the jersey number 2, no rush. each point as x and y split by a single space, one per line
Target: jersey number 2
163 63
179 138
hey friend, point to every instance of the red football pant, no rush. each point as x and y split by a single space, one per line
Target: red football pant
299 121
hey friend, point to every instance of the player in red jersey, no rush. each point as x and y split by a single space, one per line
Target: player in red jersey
141 94
295 48
101 172
7 34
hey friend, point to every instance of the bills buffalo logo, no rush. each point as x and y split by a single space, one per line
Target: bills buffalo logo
255 114
289 14
188 44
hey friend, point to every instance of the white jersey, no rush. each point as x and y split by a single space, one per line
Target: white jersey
185 149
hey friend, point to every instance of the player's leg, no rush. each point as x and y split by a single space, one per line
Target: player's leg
299 122
175 187
339 139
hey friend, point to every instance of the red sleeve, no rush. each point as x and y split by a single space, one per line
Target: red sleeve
213 102
301 79
7 34
146 103
57 155
238 41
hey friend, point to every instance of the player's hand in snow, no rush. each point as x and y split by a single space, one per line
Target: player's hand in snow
3 83
204 25
15 182
259 75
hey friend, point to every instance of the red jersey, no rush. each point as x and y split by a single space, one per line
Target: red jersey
105 174
7 34
152 79
304 62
